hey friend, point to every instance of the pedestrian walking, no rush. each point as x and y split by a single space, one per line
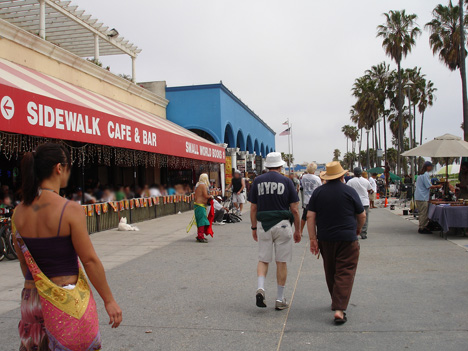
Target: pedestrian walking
275 206
422 195
296 182
58 310
202 200
373 196
238 186
310 182
334 220
363 188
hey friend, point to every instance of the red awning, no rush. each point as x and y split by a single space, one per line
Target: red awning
37 104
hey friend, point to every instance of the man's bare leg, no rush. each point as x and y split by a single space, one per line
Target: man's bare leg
281 273
262 269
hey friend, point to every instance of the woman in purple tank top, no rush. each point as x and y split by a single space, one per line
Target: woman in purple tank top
53 232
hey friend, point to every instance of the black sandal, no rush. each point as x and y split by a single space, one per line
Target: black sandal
340 321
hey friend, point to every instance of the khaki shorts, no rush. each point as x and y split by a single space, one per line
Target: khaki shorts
373 196
279 238
238 199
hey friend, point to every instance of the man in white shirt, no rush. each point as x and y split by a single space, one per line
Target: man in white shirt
310 182
219 211
363 188
373 196
154 191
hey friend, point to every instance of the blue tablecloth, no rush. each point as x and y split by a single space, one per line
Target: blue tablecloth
449 216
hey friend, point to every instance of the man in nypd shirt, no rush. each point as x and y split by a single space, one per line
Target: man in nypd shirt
275 205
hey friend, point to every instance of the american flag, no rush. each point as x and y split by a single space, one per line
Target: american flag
286 123
286 132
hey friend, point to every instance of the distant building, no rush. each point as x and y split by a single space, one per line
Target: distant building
215 113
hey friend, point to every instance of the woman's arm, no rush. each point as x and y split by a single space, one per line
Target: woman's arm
19 253
91 262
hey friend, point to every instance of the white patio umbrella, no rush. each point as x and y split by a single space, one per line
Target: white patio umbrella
447 145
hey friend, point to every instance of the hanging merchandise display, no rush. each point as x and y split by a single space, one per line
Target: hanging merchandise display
14 145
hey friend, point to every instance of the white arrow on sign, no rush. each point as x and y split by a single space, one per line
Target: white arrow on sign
7 107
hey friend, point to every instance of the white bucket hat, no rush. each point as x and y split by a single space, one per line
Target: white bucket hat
274 160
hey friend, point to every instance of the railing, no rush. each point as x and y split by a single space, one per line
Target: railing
104 216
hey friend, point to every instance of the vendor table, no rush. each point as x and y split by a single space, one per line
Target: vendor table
449 216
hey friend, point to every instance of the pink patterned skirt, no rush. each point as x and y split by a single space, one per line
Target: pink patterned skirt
32 332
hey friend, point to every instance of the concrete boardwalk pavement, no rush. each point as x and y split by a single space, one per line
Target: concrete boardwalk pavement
410 292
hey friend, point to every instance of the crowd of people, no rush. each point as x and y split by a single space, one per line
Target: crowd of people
335 208
100 193
96 193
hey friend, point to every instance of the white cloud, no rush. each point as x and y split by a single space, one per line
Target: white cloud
295 59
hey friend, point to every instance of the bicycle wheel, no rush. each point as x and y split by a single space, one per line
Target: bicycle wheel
10 251
2 248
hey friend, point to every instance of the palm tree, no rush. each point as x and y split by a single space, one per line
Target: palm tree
380 74
366 107
346 131
392 156
427 99
399 35
445 40
353 136
336 155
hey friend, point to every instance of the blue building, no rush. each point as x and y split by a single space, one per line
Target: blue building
215 113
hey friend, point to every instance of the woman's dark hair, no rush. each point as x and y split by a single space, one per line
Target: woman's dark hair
38 165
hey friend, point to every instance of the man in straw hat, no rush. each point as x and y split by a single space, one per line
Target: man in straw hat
275 205
334 220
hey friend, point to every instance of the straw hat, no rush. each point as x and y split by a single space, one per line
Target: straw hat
274 160
334 171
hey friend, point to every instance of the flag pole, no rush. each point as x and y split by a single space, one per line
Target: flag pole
292 145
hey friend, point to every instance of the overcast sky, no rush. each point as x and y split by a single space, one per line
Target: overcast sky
295 58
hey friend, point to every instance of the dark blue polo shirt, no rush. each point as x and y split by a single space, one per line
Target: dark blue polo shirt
272 191
336 206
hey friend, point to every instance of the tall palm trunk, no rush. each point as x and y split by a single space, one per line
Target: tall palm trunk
360 146
400 119
376 131
421 134
463 69
414 138
385 138
379 147
368 155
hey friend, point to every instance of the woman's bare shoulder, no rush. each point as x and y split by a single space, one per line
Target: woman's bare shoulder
75 207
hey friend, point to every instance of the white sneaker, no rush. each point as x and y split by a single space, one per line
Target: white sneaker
219 223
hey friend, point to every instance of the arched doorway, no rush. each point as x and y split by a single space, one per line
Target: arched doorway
240 141
250 147
203 134
229 136
257 147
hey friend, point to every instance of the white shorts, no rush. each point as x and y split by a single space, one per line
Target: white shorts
279 238
238 199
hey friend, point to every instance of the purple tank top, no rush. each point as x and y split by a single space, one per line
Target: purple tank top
55 256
